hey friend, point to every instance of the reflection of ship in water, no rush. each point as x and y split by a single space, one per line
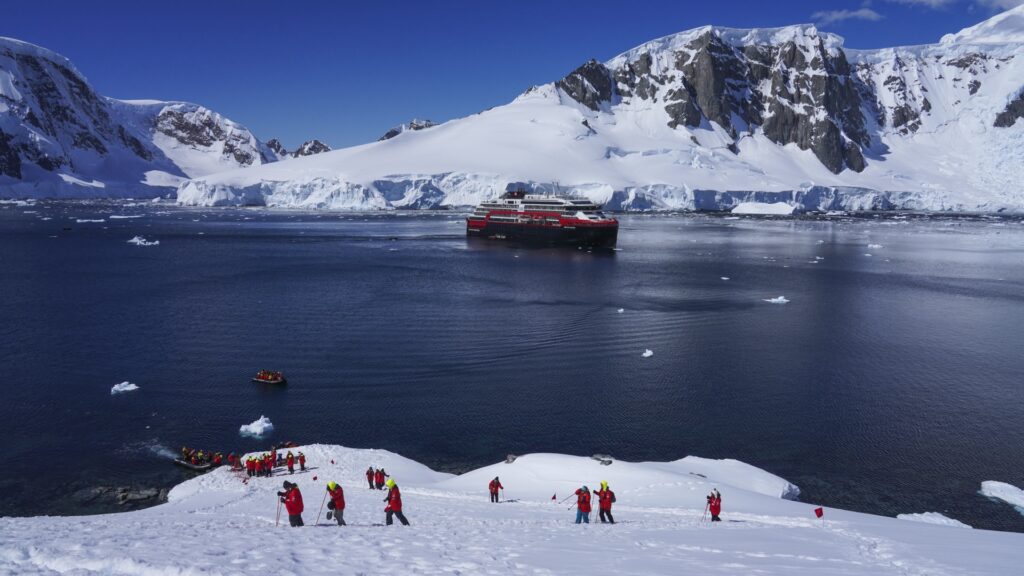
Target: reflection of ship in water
520 217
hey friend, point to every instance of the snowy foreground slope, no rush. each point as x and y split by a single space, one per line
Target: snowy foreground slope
707 119
216 524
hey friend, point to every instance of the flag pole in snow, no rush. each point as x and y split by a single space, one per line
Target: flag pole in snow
820 513
277 521
321 509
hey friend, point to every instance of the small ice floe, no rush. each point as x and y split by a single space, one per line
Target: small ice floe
123 387
875 246
258 428
621 310
777 300
1002 491
725 278
867 254
616 249
647 354
141 241
818 258
820 242
87 220
933 518
125 216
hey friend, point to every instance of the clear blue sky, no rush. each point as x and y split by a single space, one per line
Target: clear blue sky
344 72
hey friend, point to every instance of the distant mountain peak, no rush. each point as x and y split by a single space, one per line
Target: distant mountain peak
311 147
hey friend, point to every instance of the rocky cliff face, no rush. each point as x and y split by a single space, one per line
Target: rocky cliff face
796 86
57 134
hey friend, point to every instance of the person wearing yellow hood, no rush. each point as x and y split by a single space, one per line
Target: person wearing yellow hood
394 507
605 498
336 507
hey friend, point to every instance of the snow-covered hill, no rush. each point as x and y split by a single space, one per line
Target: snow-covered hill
218 524
707 119
58 137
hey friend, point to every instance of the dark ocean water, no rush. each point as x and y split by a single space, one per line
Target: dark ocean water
889 383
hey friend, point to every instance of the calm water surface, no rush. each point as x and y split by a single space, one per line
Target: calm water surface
890 383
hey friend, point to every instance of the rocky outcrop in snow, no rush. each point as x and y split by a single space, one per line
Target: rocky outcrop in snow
412 125
310 148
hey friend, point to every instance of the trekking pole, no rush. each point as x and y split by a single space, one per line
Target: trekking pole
317 523
502 493
706 506
567 499
277 521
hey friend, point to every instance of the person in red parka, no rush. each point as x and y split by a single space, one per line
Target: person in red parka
250 467
290 460
605 498
715 504
370 475
394 507
302 462
493 488
337 503
378 478
583 505
258 467
292 499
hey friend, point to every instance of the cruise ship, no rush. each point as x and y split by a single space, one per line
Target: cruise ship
522 217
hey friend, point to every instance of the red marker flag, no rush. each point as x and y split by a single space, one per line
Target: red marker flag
819 512
553 497
314 478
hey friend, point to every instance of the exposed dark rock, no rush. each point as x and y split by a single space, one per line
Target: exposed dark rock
275 145
590 85
973 86
414 124
1013 111
203 131
310 148
10 163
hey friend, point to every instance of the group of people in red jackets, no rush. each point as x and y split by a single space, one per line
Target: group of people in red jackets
376 478
605 499
291 497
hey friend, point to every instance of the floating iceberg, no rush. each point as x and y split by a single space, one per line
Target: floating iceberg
777 300
257 429
141 241
764 208
647 354
123 387
1006 492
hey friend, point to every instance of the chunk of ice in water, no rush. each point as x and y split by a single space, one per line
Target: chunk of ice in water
123 387
777 300
647 353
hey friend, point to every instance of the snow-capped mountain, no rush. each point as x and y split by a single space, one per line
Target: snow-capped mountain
58 137
706 119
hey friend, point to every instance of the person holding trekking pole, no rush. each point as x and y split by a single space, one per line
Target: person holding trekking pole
605 498
336 506
582 505
493 488
715 504
292 499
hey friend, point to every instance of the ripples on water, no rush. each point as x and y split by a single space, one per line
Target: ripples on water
889 383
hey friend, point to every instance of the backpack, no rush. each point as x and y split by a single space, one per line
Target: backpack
613 496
